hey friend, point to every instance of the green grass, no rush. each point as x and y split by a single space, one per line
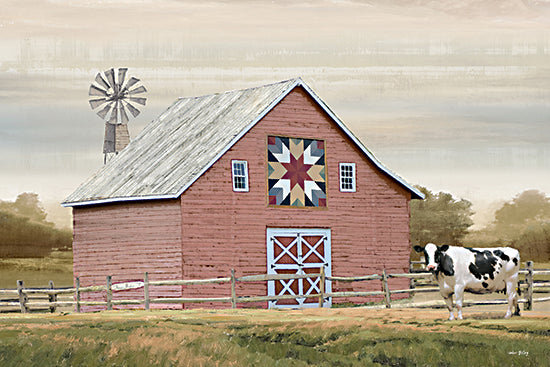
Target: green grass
343 337
37 272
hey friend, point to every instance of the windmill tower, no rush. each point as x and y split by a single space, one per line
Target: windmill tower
111 98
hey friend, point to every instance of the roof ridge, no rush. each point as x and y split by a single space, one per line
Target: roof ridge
297 79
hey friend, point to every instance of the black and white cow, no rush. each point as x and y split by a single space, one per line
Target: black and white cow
474 270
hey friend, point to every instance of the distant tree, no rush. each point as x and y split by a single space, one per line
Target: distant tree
28 205
529 207
7 206
21 237
24 231
440 219
524 223
534 242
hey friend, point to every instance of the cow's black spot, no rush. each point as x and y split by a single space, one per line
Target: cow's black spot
473 270
426 258
485 285
484 264
516 261
445 263
502 255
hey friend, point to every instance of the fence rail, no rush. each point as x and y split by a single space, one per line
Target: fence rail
50 299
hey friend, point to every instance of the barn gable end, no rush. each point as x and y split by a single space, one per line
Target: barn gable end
226 229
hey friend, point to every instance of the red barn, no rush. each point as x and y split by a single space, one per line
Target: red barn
261 180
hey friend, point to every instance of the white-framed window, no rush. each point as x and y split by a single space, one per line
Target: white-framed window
239 172
347 177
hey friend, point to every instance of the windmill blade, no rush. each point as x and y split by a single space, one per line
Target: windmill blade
114 96
123 115
99 79
104 111
95 103
113 118
121 76
95 91
110 74
138 90
141 101
134 111
131 82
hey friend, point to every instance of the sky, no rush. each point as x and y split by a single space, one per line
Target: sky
453 95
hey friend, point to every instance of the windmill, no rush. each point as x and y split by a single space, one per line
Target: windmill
111 98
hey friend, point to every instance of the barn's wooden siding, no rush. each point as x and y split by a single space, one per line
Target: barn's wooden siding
224 229
126 240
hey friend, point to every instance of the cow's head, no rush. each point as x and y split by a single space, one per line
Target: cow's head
433 255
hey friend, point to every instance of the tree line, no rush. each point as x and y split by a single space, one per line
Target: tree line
25 232
523 223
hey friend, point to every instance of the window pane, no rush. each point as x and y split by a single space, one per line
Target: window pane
240 176
347 177
238 168
239 183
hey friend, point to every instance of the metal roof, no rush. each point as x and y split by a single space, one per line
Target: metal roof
175 149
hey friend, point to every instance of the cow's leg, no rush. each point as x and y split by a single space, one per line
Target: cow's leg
449 301
459 298
511 286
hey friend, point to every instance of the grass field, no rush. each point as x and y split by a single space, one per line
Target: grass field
316 337
37 272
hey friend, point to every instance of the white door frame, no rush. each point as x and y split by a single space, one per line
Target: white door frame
299 266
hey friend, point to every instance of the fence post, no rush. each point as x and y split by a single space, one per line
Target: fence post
109 293
412 286
146 290
322 287
233 290
387 296
77 294
52 297
528 306
22 297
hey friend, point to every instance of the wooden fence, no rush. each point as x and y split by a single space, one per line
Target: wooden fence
51 299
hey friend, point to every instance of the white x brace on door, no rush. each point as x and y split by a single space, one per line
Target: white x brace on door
298 251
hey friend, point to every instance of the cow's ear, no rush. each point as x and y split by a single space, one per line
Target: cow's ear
418 248
444 248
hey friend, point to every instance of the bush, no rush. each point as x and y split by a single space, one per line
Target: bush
534 242
21 237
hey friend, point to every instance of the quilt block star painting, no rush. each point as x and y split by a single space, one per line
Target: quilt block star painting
296 172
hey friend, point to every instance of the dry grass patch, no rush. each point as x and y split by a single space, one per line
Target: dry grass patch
337 337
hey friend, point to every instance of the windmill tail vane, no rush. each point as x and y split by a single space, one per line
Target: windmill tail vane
112 97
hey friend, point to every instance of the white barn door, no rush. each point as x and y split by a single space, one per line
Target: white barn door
298 251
